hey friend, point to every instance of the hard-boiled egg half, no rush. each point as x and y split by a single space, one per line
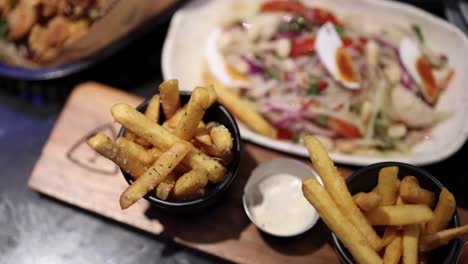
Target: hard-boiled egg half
419 68
331 52
218 65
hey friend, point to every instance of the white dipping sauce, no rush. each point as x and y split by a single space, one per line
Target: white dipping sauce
281 208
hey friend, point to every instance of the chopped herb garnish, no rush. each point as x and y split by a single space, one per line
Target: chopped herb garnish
278 56
272 72
340 31
313 88
417 30
321 120
387 145
297 23
354 109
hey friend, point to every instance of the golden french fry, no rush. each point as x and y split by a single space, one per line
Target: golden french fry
155 174
410 244
130 135
244 112
163 139
348 234
393 251
121 156
174 121
212 93
222 138
367 201
190 183
142 142
389 234
137 151
399 201
165 187
397 215
387 185
152 110
169 96
194 112
202 135
443 212
411 192
335 184
429 242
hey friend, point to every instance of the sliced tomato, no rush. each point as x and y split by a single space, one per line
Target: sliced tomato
347 41
314 15
284 134
302 46
343 128
322 85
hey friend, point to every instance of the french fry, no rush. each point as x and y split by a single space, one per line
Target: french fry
389 234
194 112
137 151
410 244
398 215
202 135
190 183
429 242
443 212
244 112
152 110
212 93
411 192
387 185
174 121
367 201
222 138
169 96
163 139
165 187
335 184
111 150
142 142
155 174
399 201
348 234
130 135
393 251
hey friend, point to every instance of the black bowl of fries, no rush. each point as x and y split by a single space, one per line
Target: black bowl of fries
199 173
419 190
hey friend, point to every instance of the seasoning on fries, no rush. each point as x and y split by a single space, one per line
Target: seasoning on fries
165 159
404 208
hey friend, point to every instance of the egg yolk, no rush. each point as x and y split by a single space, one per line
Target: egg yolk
345 68
427 77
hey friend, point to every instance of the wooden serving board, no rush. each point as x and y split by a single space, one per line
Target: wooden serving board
70 171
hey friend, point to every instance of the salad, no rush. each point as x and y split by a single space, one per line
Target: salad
306 71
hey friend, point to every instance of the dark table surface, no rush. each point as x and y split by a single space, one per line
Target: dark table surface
37 229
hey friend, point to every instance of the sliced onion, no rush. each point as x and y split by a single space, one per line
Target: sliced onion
254 67
312 129
286 34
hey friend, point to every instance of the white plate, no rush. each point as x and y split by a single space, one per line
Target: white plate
183 49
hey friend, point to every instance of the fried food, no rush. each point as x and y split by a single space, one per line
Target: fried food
155 174
163 139
165 187
221 138
393 251
348 234
429 242
410 244
443 212
244 112
137 151
335 185
193 114
398 215
387 185
152 110
169 93
411 192
367 201
390 233
121 156
190 183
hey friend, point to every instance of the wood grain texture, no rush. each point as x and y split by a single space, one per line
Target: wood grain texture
70 171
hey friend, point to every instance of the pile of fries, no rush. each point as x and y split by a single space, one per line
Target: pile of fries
174 160
401 207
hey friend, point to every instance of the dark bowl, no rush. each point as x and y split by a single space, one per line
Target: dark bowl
365 179
217 113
